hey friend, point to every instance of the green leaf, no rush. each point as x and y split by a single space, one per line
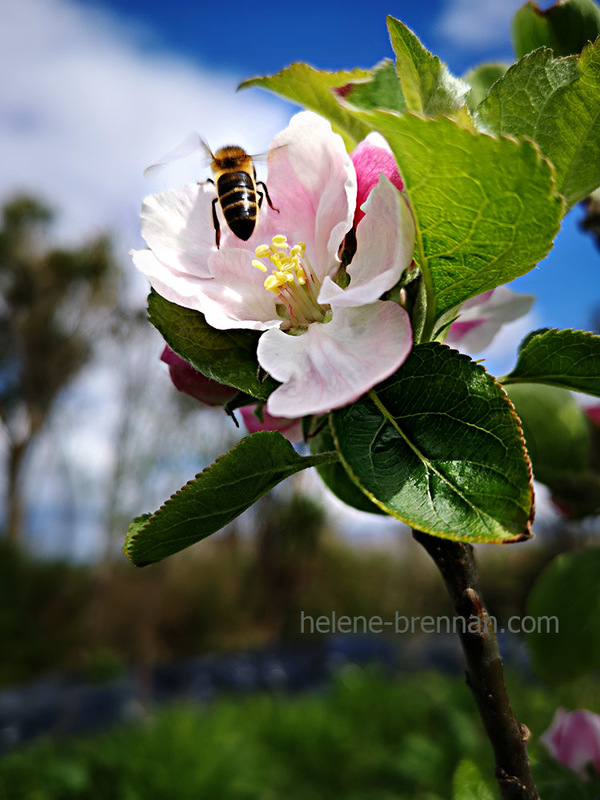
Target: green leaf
337 480
481 79
566 358
438 445
314 90
485 209
565 27
567 599
468 783
225 356
561 443
381 90
216 496
555 102
427 85
555 429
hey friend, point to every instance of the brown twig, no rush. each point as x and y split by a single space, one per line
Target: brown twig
484 671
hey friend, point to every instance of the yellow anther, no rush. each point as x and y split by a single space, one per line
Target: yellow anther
272 284
262 251
298 249
279 240
281 277
259 265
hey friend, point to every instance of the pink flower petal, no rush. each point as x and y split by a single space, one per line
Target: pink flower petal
313 183
385 241
290 428
370 161
333 364
482 317
573 739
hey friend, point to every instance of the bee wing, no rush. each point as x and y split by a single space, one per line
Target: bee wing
192 143
262 157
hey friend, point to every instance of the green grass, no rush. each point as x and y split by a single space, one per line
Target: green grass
365 738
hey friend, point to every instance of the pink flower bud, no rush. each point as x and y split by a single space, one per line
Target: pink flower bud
593 414
290 428
573 739
370 161
188 380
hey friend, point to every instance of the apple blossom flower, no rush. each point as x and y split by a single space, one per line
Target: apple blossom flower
327 337
187 379
482 317
573 739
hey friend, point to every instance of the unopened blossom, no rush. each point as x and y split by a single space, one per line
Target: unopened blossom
481 318
187 379
290 428
573 739
327 337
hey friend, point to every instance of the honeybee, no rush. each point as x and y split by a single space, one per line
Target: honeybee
235 181
237 192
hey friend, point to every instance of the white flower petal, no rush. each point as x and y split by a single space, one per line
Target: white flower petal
333 364
313 183
177 287
177 225
482 317
237 290
385 240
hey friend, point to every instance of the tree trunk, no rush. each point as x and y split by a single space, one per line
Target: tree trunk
14 499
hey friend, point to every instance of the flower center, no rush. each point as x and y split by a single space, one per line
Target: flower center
293 280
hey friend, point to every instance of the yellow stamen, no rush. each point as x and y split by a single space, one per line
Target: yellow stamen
262 251
259 265
279 241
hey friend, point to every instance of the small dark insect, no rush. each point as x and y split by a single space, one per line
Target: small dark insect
235 181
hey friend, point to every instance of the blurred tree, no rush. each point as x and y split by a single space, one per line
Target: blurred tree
289 533
45 296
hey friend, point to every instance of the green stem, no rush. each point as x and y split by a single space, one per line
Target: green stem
484 671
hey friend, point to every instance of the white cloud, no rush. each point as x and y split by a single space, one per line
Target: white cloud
477 24
87 107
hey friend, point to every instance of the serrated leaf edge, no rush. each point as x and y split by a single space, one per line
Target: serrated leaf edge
443 534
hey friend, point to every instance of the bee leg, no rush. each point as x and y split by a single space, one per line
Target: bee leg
216 222
264 186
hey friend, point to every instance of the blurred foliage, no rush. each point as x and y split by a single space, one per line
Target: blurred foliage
47 294
367 738
231 593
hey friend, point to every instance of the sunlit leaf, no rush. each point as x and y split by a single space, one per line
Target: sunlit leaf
485 209
314 89
555 102
427 85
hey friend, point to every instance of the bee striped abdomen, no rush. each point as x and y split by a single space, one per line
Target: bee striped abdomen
237 196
